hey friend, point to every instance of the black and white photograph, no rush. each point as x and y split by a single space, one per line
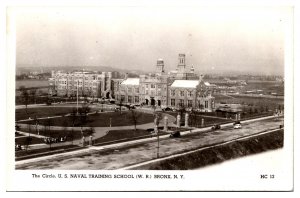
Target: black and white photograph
150 97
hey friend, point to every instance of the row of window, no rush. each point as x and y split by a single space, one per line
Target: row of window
130 99
189 103
181 93
153 86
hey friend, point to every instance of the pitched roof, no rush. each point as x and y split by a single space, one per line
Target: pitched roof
131 81
185 83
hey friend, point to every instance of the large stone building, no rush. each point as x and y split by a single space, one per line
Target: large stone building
194 94
180 88
90 84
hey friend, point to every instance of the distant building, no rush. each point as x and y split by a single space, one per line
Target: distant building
88 84
182 88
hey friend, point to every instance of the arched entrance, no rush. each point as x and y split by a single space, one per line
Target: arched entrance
146 101
152 103
158 102
107 95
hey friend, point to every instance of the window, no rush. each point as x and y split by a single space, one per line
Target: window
181 93
181 102
206 104
147 92
159 86
152 86
136 99
136 90
146 85
190 103
172 102
159 93
122 98
129 89
189 94
172 92
152 93
129 99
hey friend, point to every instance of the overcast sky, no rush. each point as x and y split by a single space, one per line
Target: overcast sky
213 38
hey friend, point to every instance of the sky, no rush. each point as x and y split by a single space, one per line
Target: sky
213 38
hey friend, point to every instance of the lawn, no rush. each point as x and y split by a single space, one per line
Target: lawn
99 120
23 140
41 112
116 135
270 103
45 151
70 135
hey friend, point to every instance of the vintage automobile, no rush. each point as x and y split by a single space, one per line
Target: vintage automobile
215 127
175 134
237 125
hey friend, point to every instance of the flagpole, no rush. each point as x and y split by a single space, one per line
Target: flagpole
77 95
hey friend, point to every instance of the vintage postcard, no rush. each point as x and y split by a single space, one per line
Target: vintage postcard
150 97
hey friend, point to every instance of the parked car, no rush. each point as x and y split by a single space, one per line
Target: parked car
175 134
237 125
215 127
167 109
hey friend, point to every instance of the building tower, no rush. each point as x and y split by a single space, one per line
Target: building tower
181 63
160 66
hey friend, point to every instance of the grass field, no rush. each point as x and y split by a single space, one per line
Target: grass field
31 83
121 134
100 120
45 151
23 141
270 103
41 112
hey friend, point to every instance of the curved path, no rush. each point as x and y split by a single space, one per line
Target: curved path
99 131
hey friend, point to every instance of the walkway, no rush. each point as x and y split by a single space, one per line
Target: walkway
99 131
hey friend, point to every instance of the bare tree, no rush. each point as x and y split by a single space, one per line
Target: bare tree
158 118
83 111
33 94
135 117
120 105
25 97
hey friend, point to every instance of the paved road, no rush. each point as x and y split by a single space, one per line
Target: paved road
125 154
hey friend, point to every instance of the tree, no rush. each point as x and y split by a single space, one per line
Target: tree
193 118
28 141
83 111
25 97
120 105
90 131
33 94
102 102
135 117
262 109
182 111
158 118
250 111
267 109
49 123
